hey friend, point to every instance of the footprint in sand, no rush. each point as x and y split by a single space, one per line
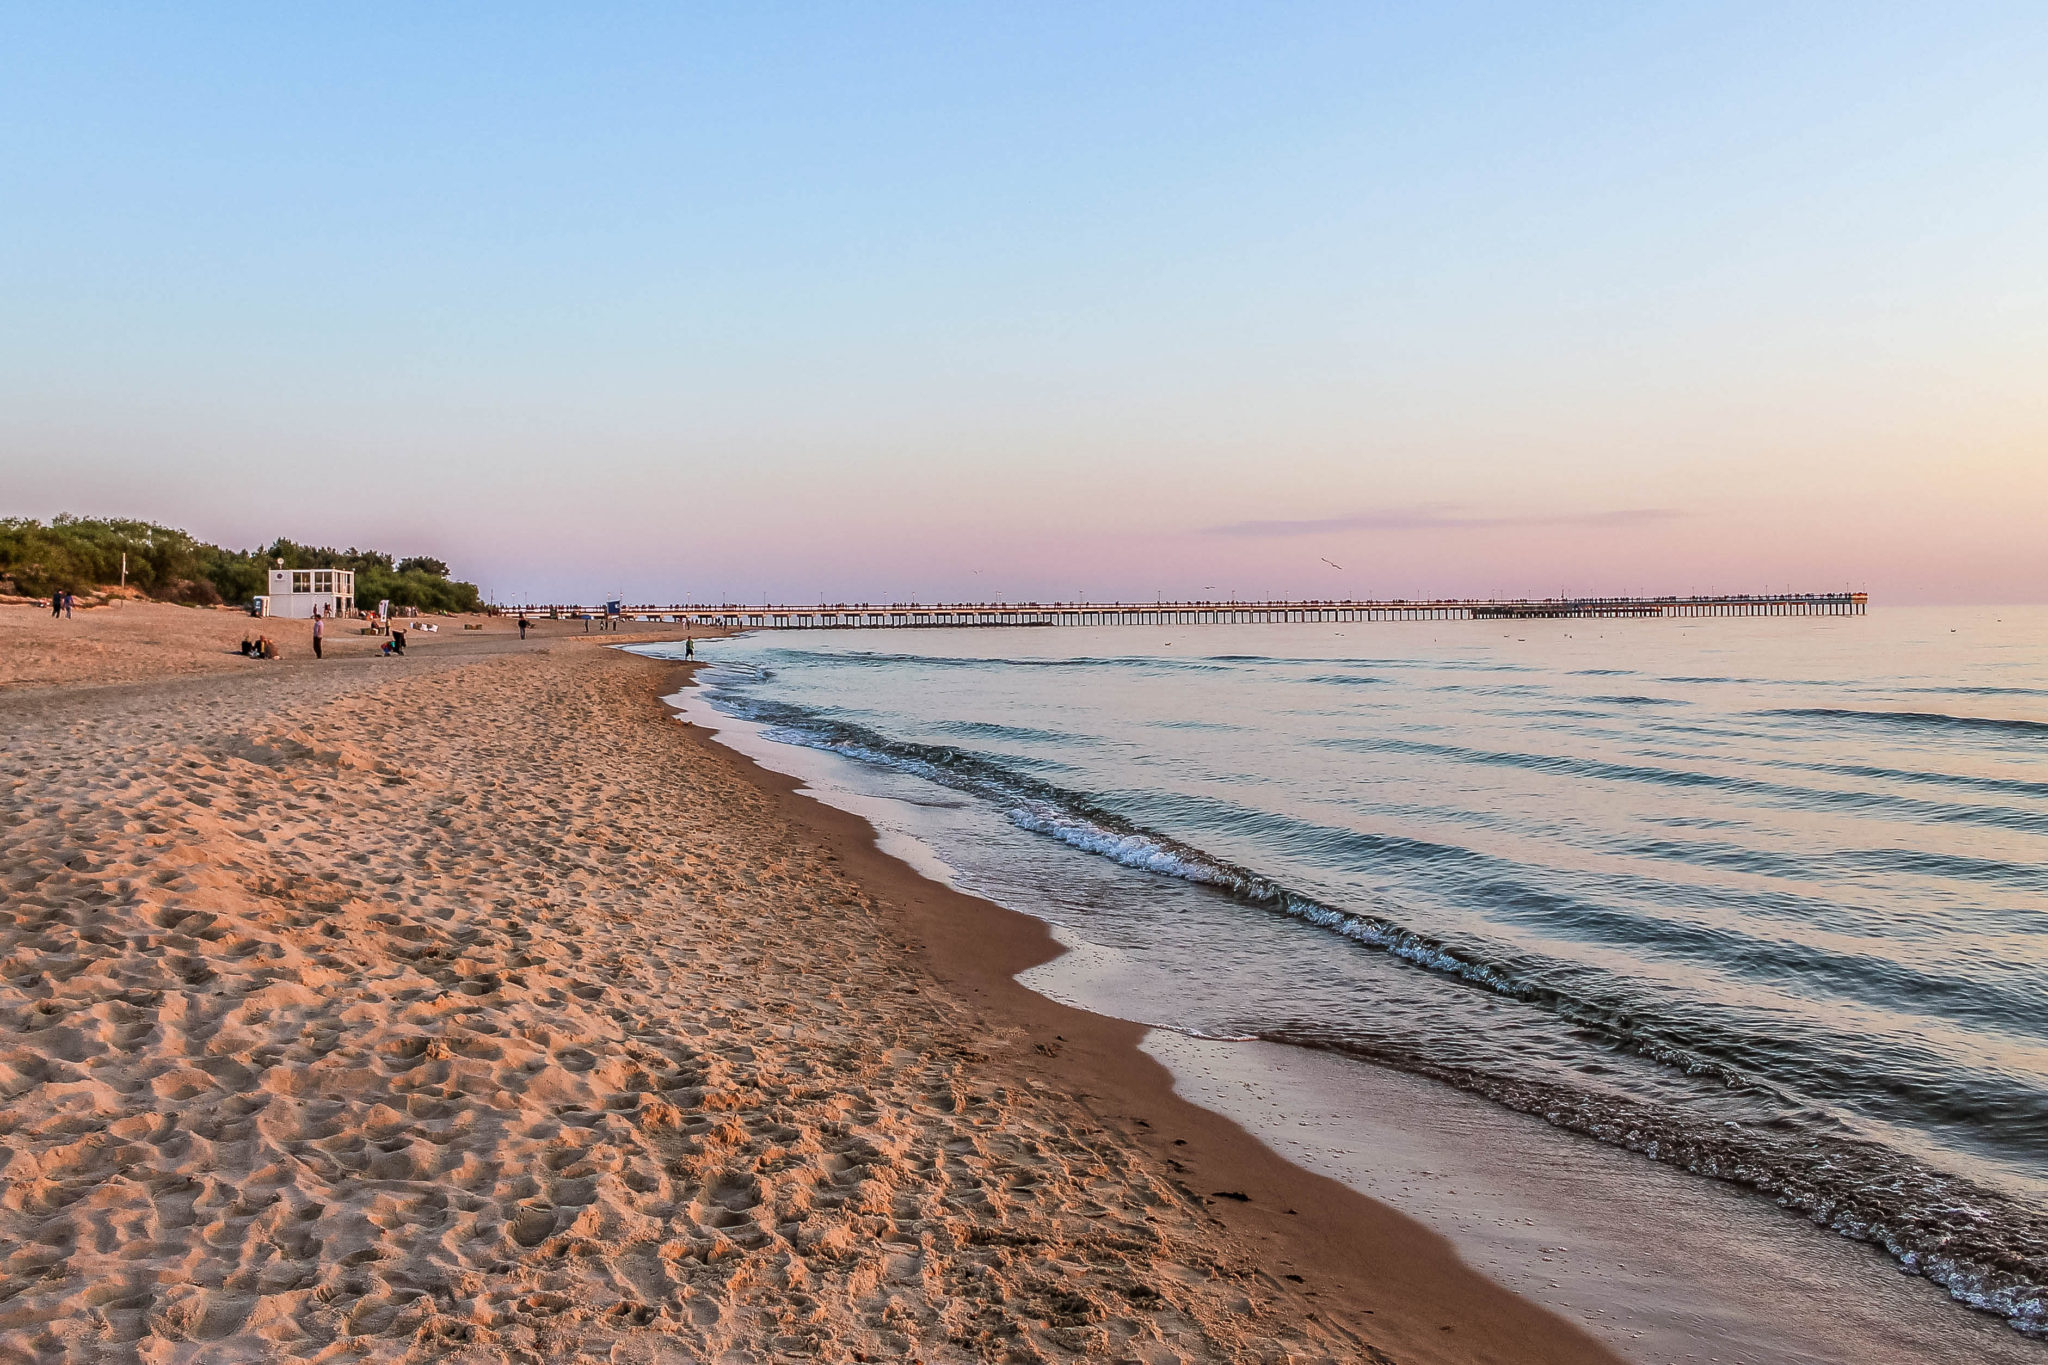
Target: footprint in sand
533 1225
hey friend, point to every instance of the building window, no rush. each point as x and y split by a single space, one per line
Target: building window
302 582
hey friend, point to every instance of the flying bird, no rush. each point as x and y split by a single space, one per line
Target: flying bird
1332 563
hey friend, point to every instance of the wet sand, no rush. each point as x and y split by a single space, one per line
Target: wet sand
468 1006
1662 1265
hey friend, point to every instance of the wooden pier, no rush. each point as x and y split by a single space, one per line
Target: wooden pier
872 615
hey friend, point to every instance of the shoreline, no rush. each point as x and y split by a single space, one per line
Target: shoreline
470 1001
1694 1264
468 1006
1385 1280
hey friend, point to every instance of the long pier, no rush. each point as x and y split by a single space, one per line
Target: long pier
871 615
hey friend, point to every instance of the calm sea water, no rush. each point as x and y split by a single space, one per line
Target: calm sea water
1767 900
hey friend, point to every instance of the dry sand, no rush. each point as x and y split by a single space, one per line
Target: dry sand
127 641
468 1007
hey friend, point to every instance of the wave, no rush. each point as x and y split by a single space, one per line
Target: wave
2003 786
1919 720
1807 866
1983 690
1956 866
1560 764
1044 808
1022 734
1988 1249
1773 935
1832 683
1420 665
883 659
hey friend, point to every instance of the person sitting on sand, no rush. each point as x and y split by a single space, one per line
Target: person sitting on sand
248 646
398 642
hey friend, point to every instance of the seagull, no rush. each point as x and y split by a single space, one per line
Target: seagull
1332 563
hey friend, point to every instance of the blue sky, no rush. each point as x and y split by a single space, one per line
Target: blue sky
1130 299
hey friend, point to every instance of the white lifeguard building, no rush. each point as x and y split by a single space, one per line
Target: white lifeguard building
304 593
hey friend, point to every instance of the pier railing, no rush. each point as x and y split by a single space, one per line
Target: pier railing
870 615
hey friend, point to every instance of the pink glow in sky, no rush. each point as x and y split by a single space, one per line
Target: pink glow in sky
1151 301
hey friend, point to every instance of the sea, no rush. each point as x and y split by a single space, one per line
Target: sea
1764 901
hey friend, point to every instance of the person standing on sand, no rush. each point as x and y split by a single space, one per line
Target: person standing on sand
689 648
70 601
56 603
319 629
522 625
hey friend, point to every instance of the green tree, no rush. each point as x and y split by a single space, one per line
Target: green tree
77 554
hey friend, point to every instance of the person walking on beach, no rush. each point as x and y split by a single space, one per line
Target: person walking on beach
56 603
319 629
70 601
522 625
689 648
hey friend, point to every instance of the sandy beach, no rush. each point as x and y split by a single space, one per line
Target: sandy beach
469 1006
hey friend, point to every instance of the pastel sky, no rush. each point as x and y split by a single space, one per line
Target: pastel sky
1044 300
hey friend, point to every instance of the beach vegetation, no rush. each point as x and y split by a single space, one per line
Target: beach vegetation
81 554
